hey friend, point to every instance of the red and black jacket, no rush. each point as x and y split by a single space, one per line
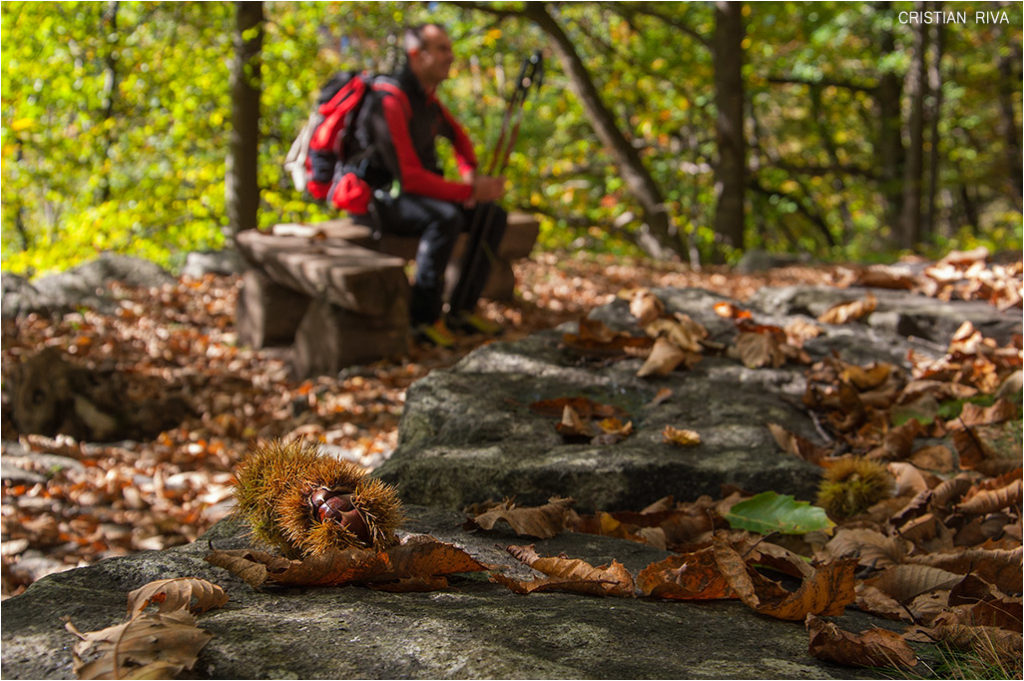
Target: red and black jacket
408 123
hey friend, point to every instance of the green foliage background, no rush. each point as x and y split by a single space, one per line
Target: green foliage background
114 132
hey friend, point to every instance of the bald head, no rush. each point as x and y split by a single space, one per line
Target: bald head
429 50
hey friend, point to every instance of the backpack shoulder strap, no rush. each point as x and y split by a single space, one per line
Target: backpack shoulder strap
389 86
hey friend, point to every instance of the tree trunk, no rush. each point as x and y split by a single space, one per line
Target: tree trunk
109 28
917 86
1009 127
889 146
934 116
660 236
730 170
242 182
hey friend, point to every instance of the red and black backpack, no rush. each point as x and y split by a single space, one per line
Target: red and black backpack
331 157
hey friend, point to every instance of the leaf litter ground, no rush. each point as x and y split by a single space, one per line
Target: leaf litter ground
116 498
105 500
113 499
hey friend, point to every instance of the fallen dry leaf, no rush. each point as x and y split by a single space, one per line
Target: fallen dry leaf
872 600
596 339
177 594
977 603
662 395
906 582
999 567
417 557
1001 410
801 330
584 407
801 447
730 311
756 350
872 648
614 426
152 645
950 491
841 313
663 360
870 547
936 458
566 574
573 426
542 522
866 378
826 592
898 442
683 331
645 306
996 647
885 276
680 436
973 452
690 576
987 501
909 478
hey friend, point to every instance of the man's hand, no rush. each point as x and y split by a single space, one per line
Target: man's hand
487 188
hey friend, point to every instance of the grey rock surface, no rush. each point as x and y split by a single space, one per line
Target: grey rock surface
898 312
82 286
473 629
224 262
468 433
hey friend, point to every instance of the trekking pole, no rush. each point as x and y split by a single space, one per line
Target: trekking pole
531 75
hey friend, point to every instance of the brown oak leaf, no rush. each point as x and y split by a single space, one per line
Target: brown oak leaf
871 648
663 360
542 522
191 593
569 574
682 437
825 592
841 313
150 646
801 447
417 557
645 306
759 349
690 576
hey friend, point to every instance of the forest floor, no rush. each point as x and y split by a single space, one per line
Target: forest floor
116 498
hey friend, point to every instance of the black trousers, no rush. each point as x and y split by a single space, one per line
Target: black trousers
438 225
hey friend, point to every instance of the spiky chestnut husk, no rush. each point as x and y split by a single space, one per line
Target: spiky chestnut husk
852 485
306 503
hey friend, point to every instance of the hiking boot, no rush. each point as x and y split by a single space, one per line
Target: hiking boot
467 322
434 334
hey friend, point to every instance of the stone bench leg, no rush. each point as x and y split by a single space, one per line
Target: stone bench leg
267 313
330 338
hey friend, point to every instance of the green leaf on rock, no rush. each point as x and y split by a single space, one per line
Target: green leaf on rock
769 512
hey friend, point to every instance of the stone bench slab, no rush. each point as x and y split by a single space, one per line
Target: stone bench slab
346 275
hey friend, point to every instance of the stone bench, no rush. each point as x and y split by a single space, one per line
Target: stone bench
340 295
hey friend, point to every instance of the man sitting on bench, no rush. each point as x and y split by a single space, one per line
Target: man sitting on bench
408 118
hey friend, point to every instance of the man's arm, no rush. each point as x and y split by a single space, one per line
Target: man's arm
414 177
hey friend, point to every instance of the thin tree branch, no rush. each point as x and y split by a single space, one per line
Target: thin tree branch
629 12
870 88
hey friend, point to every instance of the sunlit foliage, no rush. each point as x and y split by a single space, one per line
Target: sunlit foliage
116 116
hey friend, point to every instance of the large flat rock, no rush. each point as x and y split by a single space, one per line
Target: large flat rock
468 433
473 629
